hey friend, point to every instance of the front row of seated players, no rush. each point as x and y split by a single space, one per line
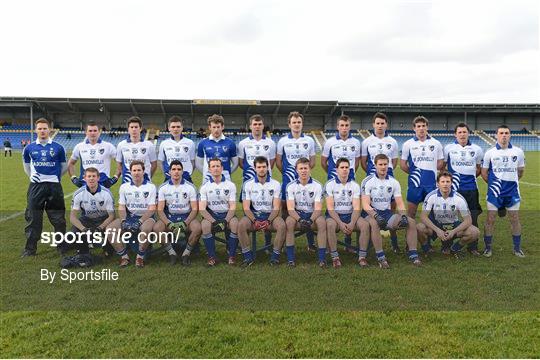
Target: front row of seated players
177 211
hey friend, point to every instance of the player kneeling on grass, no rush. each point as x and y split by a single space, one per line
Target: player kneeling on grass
92 209
262 203
136 206
177 211
378 191
217 205
343 209
440 216
305 211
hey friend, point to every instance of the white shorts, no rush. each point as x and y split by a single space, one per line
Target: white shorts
7 149
492 207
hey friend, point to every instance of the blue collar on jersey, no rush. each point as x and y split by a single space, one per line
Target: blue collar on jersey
449 195
499 146
339 137
310 180
88 141
49 141
291 137
416 139
182 182
143 182
181 137
251 137
222 178
468 142
129 139
211 137
385 133
90 191
267 178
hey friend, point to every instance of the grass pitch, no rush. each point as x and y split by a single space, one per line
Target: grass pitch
475 307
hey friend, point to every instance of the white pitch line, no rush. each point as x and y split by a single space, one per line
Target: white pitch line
13 216
528 183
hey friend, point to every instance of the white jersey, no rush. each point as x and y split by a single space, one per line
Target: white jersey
373 146
461 162
445 211
249 148
177 198
335 148
261 195
422 158
503 167
182 150
217 195
305 196
381 191
137 199
97 156
127 152
291 150
343 194
93 206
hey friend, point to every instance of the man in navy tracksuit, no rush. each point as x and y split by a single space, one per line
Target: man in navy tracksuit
44 162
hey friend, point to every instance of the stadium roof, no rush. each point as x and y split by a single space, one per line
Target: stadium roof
201 106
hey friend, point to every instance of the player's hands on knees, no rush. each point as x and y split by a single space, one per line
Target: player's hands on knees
403 222
441 234
381 221
343 227
305 224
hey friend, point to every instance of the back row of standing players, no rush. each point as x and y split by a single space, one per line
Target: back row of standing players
422 157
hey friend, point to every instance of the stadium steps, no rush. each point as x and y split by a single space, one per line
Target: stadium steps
364 133
482 135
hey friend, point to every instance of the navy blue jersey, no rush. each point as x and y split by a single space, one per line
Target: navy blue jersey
45 161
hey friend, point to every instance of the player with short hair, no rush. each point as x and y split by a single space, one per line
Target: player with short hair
177 147
379 142
463 160
440 217
92 208
44 162
177 211
136 208
216 146
304 205
217 205
377 193
262 204
421 158
343 209
255 145
134 148
343 145
290 148
502 167
93 152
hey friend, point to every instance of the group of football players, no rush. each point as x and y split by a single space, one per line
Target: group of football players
444 180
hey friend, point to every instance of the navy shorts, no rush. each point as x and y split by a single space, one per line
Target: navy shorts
177 217
386 214
416 195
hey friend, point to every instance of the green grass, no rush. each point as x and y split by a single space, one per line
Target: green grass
476 307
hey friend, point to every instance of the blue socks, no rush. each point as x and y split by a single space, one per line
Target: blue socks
426 247
275 255
487 241
362 253
248 254
210 245
267 238
393 240
380 255
322 254
456 247
413 255
310 235
233 244
516 239
290 252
